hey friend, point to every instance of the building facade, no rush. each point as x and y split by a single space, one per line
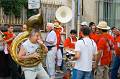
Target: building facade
97 10
90 10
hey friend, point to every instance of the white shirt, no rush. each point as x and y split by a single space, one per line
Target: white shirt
51 36
31 48
87 48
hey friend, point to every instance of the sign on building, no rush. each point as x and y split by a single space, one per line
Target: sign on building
33 4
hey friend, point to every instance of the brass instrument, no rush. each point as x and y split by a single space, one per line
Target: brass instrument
64 14
2 34
68 58
35 22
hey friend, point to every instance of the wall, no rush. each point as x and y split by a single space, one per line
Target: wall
89 11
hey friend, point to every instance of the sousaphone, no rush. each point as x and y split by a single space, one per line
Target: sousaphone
34 22
64 14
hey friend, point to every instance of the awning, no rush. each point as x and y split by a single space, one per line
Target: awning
54 2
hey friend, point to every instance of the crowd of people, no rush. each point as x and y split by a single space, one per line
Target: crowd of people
95 52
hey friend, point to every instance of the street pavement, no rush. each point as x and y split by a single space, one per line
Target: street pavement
59 76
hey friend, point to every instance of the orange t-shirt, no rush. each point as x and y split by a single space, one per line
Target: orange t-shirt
8 36
69 42
94 36
117 45
105 47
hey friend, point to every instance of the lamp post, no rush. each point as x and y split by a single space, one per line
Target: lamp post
73 14
78 18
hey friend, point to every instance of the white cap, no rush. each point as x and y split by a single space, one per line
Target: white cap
84 24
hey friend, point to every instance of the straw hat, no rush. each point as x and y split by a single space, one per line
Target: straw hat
103 25
57 24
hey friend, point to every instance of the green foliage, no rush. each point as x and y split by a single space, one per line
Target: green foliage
13 6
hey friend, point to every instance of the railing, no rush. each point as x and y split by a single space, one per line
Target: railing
49 8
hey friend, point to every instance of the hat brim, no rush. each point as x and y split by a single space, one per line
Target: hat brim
107 28
57 26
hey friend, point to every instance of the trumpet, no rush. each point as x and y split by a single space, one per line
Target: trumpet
2 35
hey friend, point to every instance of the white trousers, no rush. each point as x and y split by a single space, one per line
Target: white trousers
50 62
59 57
40 74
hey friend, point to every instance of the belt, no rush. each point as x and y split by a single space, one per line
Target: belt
50 47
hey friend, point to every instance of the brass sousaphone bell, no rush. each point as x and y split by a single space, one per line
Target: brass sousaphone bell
34 22
64 14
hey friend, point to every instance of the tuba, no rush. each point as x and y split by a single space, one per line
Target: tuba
63 14
33 22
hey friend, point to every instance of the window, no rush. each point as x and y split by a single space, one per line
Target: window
108 10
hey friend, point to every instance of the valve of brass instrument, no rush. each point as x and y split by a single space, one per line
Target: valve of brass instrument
70 55
38 51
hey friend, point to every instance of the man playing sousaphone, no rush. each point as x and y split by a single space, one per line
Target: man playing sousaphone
28 50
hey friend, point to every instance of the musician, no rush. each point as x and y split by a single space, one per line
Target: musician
69 43
4 71
51 41
9 37
59 30
28 50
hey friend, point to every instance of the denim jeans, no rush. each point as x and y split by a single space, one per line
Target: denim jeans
115 67
78 74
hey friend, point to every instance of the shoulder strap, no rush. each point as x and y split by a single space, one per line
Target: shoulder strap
92 42
109 43
71 39
82 40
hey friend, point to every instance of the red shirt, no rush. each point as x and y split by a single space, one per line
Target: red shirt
69 42
117 45
105 47
8 36
95 37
